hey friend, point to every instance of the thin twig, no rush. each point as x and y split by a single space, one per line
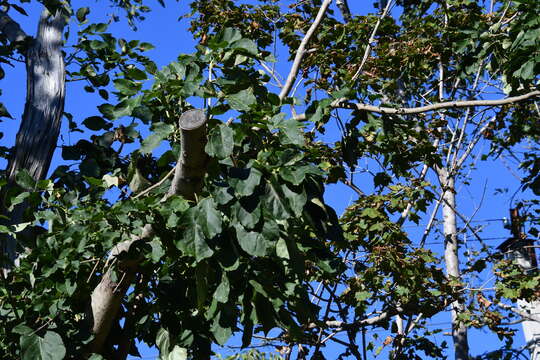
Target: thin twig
150 188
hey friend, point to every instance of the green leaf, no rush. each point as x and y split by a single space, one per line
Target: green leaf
242 100
296 201
290 130
96 123
222 291
50 347
127 87
163 342
242 185
282 250
220 142
275 200
222 332
82 13
145 46
248 212
160 131
251 242
178 353
24 179
200 223
246 44
230 35
136 74
296 175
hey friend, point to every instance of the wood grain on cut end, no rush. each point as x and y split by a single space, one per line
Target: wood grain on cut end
192 119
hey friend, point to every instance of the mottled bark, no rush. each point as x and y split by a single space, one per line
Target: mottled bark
451 257
40 125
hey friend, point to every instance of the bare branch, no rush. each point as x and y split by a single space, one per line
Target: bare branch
438 106
301 50
341 104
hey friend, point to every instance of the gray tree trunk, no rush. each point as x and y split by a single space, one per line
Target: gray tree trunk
40 125
451 257
190 170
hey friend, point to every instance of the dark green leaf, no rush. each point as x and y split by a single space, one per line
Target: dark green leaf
50 347
242 100
220 142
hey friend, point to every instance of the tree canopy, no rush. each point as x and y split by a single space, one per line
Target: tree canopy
195 211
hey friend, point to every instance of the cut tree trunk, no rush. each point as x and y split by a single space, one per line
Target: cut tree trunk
107 297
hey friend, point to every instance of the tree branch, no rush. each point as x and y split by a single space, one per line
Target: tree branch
301 50
433 107
107 297
438 106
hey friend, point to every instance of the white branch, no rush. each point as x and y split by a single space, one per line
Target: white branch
301 51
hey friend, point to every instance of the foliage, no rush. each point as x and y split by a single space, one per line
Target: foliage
260 251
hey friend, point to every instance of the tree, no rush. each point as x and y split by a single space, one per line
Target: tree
200 227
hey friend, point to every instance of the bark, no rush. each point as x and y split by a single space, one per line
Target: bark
107 297
451 257
40 125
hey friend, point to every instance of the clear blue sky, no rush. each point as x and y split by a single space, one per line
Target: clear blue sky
171 38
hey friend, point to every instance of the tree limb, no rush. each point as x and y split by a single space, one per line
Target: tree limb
428 108
437 106
107 297
301 50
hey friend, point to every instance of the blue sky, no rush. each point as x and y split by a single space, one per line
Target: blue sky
171 38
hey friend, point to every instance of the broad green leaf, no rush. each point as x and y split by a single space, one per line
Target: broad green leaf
127 87
242 185
247 45
160 131
251 242
220 142
248 211
201 222
242 100
222 332
222 291
230 35
24 179
178 353
282 250
82 13
96 123
50 347
163 342
275 201
296 201
296 175
136 74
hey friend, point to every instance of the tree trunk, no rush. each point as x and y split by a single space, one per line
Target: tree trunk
107 297
451 257
40 126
